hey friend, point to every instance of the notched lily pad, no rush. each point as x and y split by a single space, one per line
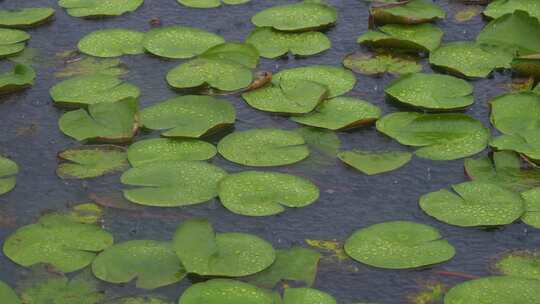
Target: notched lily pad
526 142
8 170
59 289
407 12
224 291
112 43
22 76
12 41
210 3
372 163
515 112
241 53
97 8
26 17
297 17
8 295
373 64
499 8
523 264
413 38
165 149
91 161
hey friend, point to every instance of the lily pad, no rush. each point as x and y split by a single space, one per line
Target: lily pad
414 38
59 289
8 170
263 147
26 17
90 65
165 149
371 163
499 8
97 8
152 264
526 143
341 113
12 41
241 53
297 17
91 161
522 264
112 43
431 91
474 204
91 89
373 64
179 41
257 193
399 245
142 300
306 296
210 3
104 122
470 59
532 209
58 240
8 295
206 253
408 12
172 183
273 43
444 136
223 291
515 112
338 80
21 77
189 116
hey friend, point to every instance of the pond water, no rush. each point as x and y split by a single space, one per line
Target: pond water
29 135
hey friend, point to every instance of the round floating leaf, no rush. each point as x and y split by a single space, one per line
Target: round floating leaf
375 163
58 289
515 112
92 89
382 63
153 264
431 91
415 38
112 43
263 147
439 136
338 80
179 41
255 193
499 8
21 77
8 170
12 41
206 253
173 183
91 161
189 116
8 295
96 8
470 59
399 245
473 204
306 296
296 17
59 240
241 53
223 291
532 208
210 3
522 264
408 12
272 43
495 290
105 122
26 17
165 149
341 113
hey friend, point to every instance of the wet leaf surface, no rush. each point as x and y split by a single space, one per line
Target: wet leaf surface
165 149
412 38
91 161
374 64
93 8
225 291
375 163
297 17
26 17
112 43
408 12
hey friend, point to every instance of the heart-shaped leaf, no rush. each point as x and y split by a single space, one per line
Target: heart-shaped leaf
8 170
96 8
407 12
371 64
26 17
91 161
375 163
20 77
12 41
112 43
296 17
414 38
225 291
179 41
165 149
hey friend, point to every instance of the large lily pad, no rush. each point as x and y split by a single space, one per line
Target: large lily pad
179 41
532 208
8 170
398 245
12 41
172 183
439 136
26 17
112 43
58 240
206 253
431 91
373 64
306 296
223 291
414 38
210 3
515 112
296 17
241 53
499 8
153 264
20 77
372 163
96 8
91 161
257 193
263 147
189 116
272 43
165 149
407 12
524 264
474 204
104 122
8 295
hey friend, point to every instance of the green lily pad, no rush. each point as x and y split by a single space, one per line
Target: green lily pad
91 161
189 116
499 8
371 163
142 300
210 3
524 264
97 8
495 290
152 264
179 41
526 143
112 43
58 240
26 17
398 245
297 17
104 122
88 213
341 113
241 53
8 170
8 295
172 183
90 65
273 43
373 64
257 193
323 144
224 291
408 12
474 204
431 91
515 112
470 59
12 41
338 80
444 136
306 296
206 253
22 76
165 149
414 38
263 147
91 89
532 208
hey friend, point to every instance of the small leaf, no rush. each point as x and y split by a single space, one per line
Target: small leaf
408 12
296 17
112 43
92 8
91 161
165 149
225 291
370 64
12 41
532 209
89 66
26 17
210 3
413 38
8 170
523 264
375 163
241 53
22 76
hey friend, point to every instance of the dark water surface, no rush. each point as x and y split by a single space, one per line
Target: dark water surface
349 200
